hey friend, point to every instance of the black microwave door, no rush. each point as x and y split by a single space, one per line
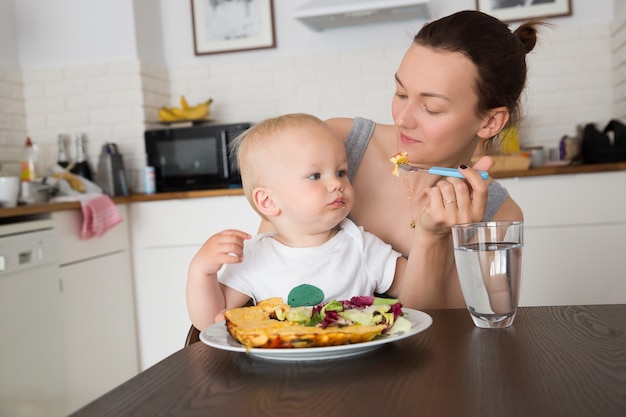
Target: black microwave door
188 162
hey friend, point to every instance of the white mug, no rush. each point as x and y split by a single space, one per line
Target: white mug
9 191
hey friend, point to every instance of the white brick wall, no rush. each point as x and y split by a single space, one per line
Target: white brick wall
108 102
618 51
12 120
325 84
570 83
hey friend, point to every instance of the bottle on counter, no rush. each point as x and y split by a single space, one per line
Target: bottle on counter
81 167
62 159
149 185
28 163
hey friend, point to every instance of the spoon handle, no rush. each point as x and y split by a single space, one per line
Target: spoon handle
453 172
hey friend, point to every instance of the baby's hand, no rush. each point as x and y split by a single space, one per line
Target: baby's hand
225 247
220 316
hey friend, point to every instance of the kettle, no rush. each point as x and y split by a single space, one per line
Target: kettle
111 175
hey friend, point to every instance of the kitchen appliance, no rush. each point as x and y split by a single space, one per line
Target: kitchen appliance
32 351
193 158
111 175
321 15
608 145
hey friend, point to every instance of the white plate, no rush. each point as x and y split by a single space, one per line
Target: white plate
218 337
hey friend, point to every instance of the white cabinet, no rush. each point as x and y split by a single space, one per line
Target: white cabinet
165 236
98 305
575 238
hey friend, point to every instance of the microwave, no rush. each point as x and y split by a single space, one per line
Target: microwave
193 158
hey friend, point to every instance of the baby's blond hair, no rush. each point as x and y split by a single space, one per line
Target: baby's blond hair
254 149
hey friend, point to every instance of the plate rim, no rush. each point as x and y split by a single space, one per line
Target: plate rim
420 321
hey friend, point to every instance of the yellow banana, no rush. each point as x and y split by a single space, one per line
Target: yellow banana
166 115
201 111
183 103
185 112
72 179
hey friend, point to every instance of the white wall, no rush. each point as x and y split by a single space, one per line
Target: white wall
74 32
295 38
148 19
8 46
12 116
618 49
104 66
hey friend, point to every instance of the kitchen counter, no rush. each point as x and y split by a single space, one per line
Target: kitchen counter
36 209
560 170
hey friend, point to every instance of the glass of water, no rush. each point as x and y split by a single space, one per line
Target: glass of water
489 263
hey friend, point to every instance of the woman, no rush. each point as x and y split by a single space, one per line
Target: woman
458 85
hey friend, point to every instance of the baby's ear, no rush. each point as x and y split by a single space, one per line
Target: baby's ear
264 202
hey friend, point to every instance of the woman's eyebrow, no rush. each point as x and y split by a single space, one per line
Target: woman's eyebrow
441 96
398 80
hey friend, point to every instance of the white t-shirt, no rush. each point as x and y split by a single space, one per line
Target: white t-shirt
351 263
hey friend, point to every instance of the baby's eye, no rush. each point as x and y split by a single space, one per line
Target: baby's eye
342 173
400 95
315 176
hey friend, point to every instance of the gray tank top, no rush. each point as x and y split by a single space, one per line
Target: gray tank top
359 138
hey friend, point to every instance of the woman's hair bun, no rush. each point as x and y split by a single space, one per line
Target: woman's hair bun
527 34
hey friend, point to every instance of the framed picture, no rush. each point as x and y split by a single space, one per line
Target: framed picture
232 25
516 10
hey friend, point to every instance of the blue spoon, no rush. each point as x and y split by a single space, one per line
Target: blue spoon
446 172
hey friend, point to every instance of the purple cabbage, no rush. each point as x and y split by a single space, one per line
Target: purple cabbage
332 318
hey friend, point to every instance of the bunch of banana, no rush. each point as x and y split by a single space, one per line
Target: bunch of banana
185 112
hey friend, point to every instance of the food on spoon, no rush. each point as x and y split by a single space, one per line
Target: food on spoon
273 324
400 158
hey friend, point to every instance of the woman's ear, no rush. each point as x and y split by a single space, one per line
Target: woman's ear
494 122
264 202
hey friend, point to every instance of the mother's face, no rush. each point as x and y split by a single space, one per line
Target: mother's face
434 107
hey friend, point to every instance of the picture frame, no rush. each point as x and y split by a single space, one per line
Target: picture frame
221 26
518 10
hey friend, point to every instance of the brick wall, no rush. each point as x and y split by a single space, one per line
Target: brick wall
618 52
570 82
325 84
12 120
108 102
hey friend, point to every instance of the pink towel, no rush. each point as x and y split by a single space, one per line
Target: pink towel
99 215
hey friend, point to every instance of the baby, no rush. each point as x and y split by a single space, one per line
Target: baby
294 174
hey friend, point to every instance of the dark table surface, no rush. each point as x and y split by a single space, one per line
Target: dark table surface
554 361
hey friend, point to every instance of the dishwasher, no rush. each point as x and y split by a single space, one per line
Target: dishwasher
32 372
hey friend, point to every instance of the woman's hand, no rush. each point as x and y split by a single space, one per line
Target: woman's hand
454 201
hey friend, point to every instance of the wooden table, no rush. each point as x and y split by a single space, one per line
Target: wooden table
554 361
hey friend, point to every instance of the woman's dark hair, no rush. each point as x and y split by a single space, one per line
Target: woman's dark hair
498 53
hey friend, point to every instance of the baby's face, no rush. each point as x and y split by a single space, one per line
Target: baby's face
309 176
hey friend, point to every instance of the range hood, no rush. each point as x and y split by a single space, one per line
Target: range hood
330 14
